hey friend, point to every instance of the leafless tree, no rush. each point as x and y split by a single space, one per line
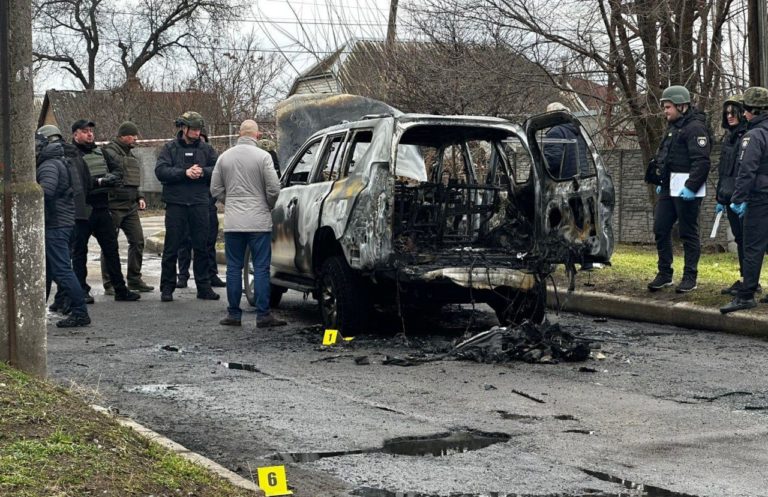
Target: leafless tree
84 37
246 80
641 46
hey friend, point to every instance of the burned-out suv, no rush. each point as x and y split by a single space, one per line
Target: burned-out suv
419 211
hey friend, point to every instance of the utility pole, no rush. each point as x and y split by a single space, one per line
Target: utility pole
22 248
757 22
392 24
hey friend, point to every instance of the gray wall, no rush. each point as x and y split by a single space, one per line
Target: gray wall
633 214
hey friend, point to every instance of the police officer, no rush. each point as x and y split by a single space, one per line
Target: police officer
125 202
750 198
684 149
735 125
184 167
99 223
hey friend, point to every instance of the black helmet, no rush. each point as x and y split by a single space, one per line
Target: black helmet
191 119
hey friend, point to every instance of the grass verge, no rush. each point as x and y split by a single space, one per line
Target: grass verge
633 266
53 444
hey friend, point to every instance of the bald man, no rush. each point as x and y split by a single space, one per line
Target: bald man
245 181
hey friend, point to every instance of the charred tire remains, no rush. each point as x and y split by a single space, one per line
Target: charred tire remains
341 297
513 306
275 292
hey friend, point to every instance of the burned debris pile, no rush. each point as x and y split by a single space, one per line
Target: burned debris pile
545 343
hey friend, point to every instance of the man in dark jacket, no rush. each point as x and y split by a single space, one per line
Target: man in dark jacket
564 148
125 202
735 125
185 167
752 190
60 184
90 158
684 150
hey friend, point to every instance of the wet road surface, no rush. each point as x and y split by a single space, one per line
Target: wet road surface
660 411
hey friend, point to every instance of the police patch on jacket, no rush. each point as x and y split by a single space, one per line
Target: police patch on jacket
745 142
701 141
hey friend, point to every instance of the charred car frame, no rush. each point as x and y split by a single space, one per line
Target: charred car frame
420 211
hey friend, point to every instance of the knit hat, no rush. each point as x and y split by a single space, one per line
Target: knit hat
127 129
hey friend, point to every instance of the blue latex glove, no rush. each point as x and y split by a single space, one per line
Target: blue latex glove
687 194
658 190
739 209
719 208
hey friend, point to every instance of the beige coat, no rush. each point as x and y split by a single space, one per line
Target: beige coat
246 182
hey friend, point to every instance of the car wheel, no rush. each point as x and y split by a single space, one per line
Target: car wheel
342 299
275 292
513 306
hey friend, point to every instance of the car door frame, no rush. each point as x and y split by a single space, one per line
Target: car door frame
573 215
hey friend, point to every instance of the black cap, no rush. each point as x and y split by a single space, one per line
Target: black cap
82 123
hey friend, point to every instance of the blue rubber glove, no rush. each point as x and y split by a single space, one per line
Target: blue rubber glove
658 190
687 194
739 209
719 208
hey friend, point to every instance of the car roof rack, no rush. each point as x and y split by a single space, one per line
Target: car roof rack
375 116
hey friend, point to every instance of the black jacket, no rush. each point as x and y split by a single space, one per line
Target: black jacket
82 208
59 186
686 147
171 169
729 158
752 173
571 157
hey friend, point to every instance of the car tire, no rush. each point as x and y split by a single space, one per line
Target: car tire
275 292
512 306
342 299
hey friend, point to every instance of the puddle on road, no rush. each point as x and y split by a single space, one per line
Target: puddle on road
644 490
377 492
443 445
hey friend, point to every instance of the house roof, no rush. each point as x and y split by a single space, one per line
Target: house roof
153 112
594 95
438 78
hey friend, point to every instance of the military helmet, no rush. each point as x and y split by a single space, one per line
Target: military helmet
736 99
49 131
676 94
266 145
191 119
756 97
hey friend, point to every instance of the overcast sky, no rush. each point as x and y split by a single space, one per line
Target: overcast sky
296 29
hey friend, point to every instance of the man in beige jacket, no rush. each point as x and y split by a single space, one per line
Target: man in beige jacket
245 181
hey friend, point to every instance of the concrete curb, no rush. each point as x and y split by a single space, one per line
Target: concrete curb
620 307
671 313
154 244
182 451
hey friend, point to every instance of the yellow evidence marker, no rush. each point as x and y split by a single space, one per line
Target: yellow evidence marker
273 481
330 336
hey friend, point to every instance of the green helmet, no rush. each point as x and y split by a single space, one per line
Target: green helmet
736 99
49 131
267 145
756 97
191 119
677 95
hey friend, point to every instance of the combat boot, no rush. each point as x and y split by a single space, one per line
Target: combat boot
140 286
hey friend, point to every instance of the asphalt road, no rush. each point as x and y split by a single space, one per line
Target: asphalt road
667 412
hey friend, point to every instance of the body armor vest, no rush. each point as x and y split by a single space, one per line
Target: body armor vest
129 165
96 163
